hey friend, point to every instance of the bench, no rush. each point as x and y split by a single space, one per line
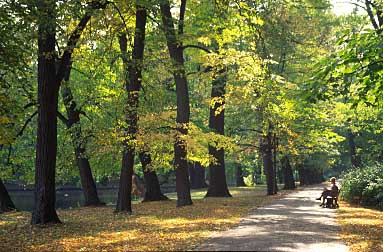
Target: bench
332 201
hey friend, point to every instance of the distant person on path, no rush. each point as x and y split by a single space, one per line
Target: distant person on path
332 192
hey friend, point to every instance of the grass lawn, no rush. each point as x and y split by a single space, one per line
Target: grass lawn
362 228
152 226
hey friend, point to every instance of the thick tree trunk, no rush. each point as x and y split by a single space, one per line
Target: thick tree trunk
217 180
152 185
6 203
46 148
175 49
267 156
73 123
124 200
239 175
197 175
355 158
132 86
288 176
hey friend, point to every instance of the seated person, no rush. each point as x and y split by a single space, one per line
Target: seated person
333 192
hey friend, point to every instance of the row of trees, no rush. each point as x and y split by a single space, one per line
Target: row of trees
180 85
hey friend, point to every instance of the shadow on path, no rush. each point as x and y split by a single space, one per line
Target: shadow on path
293 223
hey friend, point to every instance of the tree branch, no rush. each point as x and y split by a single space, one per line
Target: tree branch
65 61
26 124
63 119
197 47
371 15
31 104
182 17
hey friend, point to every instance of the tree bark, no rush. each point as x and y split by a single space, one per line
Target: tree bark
217 180
6 203
266 152
275 146
175 49
132 86
152 185
288 176
355 158
239 175
46 148
197 175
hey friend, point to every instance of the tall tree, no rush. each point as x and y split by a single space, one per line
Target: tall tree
133 77
48 88
51 73
266 149
288 176
175 49
217 177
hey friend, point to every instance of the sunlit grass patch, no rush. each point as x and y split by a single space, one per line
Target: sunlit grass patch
153 225
362 228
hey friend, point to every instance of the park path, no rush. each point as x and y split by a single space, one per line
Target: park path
292 223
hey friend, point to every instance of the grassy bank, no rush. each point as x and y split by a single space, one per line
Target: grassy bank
362 228
153 226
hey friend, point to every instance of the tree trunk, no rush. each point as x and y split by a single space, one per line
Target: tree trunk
124 200
132 86
86 177
275 146
239 175
46 148
217 180
197 175
175 49
267 156
288 176
152 185
303 176
87 182
355 158
6 203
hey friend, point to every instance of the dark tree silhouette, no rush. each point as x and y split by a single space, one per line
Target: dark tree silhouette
217 177
133 69
175 49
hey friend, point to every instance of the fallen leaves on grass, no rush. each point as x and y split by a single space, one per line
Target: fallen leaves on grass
153 225
362 228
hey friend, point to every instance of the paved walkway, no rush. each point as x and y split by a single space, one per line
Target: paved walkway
293 223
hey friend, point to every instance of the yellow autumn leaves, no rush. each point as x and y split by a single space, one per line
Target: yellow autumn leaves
153 225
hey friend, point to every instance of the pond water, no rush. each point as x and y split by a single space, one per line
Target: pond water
67 198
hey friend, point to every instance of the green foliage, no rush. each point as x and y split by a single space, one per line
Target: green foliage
364 185
268 51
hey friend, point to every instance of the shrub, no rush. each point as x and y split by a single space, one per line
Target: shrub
364 186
